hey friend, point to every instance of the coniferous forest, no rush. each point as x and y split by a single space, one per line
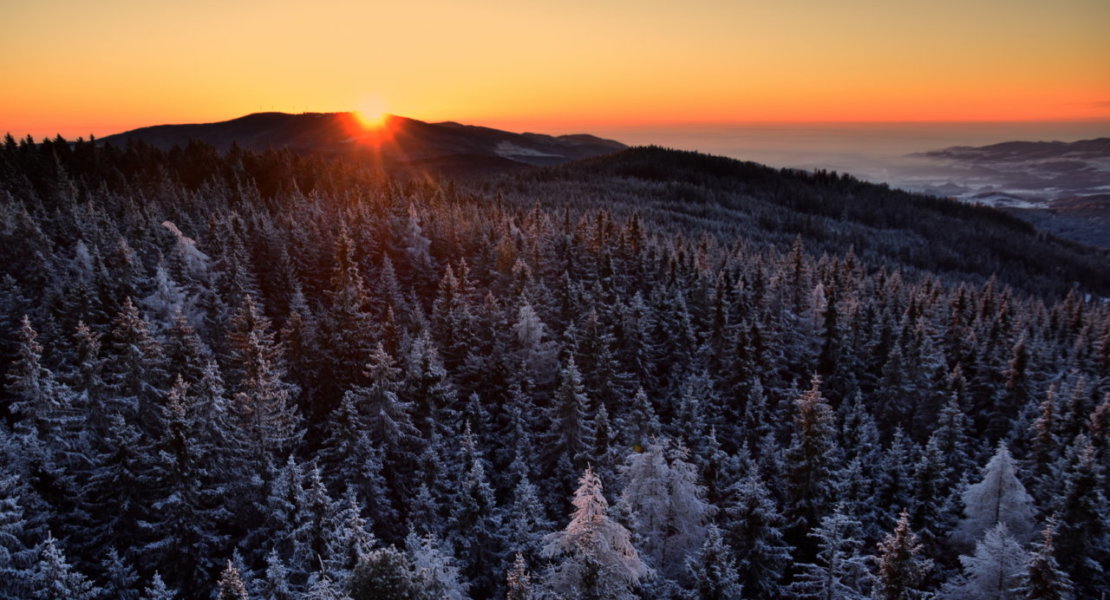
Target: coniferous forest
655 375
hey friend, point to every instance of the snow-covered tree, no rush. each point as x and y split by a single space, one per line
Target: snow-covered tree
712 570
667 507
901 569
119 577
994 572
999 497
840 572
157 590
17 553
809 462
436 565
55 579
231 586
754 530
1044 579
518 583
388 574
594 556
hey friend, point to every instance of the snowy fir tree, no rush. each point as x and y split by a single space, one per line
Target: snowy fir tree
840 571
901 570
999 497
593 554
712 569
54 578
1044 579
755 531
231 585
518 582
994 572
667 507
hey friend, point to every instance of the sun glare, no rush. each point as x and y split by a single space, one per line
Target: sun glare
371 114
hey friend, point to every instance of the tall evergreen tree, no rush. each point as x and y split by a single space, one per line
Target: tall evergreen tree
754 531
901 569
594 555
994 572
840 572
712 570
999 497
1044 579
667 507
809 463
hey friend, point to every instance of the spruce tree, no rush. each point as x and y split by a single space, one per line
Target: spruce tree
594 556
999 497
840 571
1044 579
755 526
901 569
712 570
994 572
518 583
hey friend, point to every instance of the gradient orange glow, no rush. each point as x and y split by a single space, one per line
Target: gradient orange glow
77 68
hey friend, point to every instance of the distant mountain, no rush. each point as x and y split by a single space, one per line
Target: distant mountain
401 142
1035 173
1098 149
1060 187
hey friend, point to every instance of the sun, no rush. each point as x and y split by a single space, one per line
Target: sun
371 113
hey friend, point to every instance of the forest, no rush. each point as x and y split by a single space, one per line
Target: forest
655 374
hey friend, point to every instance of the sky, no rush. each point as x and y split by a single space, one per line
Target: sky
78 68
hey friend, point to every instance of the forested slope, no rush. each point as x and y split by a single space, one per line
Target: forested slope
284 376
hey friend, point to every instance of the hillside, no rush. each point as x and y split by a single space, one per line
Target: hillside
735 200
649 375
399 143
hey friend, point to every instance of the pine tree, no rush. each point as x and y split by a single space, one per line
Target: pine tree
157 590
323 588
571 430
526 521
436 565
998 498
314 523
387 574
475 529
1083 545
994 572
275 585
388 418
755 534
594 555
347 545
54 579
136 369
119 578
182 524
518 583
231 585
262 403
712 570
901 569
17 554
810 461
840 572
1044 579
667 507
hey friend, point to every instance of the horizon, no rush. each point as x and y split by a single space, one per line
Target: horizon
1100 127
77 70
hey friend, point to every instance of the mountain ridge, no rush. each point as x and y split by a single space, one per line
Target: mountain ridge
400 142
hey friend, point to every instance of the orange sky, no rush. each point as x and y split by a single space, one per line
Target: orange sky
77 68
